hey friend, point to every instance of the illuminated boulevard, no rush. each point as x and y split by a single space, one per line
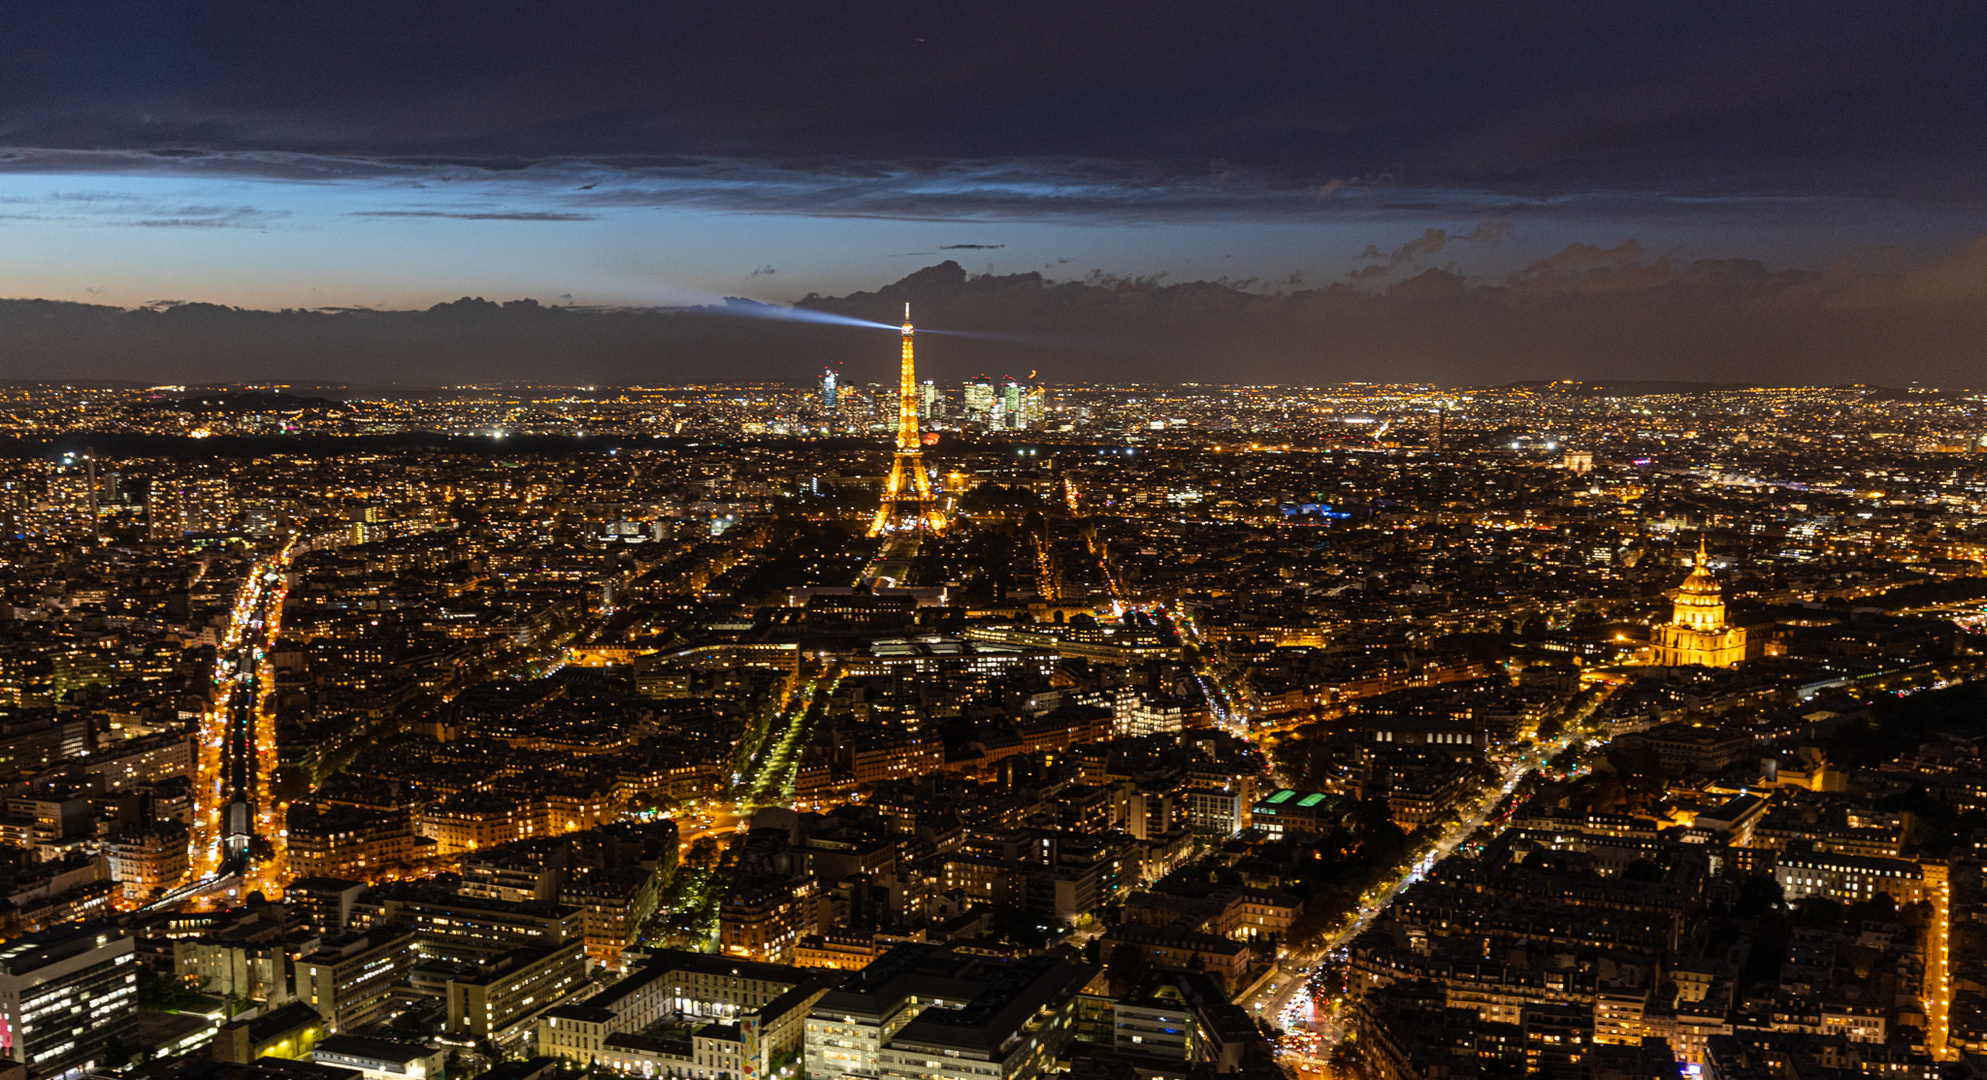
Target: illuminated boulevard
238 836
1288 1002
1280 998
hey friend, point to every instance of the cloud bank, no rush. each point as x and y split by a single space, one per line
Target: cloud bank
1588 311
826 103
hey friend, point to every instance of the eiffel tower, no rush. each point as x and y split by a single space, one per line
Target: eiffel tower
908 503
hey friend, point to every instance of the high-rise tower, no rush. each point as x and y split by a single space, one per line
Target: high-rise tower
979 398
907 499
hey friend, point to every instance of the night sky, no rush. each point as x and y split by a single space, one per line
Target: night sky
1291 192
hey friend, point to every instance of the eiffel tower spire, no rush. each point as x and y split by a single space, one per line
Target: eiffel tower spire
907 499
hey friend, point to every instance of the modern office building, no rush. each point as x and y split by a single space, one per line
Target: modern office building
503 996
1294 811
979 400
34 740
290 1033
1010 405
926 1012
1153 1021
64 994
327 903
349 979
467 929
760 1006
185 506
379 1059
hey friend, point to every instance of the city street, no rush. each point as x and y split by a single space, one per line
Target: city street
1283 1000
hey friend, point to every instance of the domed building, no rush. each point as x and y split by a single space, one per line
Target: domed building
1696 633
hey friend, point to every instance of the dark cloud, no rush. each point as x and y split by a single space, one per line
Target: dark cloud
207 217
1428 243
1590 311
1086 190
969 247
1588 268
480 215
1786 96
122 208
1434 240
1487 232
184 223
1577 257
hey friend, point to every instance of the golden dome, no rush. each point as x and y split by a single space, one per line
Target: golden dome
1698 634
1699 583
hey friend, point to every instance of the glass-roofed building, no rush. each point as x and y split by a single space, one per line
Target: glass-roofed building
1290 811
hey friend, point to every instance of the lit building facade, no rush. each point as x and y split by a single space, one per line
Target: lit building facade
66 993
1849 878
149 861
1010 405
758 1008
183 507
349 980
502 998
923 1012
979 400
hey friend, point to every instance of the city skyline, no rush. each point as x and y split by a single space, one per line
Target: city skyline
785 541
1584 314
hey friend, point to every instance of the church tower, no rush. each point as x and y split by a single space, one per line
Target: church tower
1696 632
